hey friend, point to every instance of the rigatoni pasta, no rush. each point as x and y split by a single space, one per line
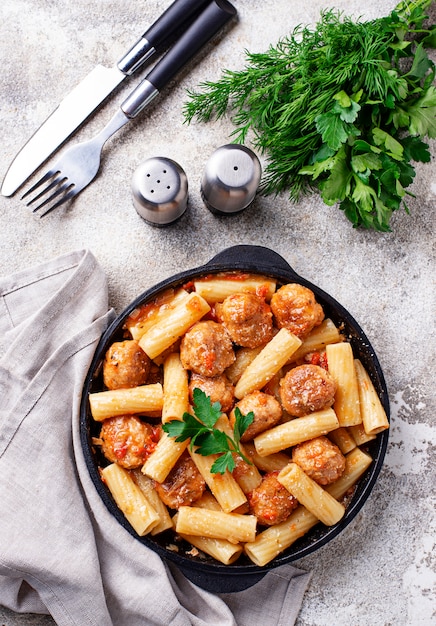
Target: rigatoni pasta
151 314
343 439
359 434
247 476
130 499
147 399
356 463
164 457
175 389
223 486
276 539
341 367
220 549
271 463
327 332
267 363
244 357
233 527
217 288
316 500
173 324
291 433
146 485
374 416
237 514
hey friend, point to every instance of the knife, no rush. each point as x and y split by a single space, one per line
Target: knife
85 98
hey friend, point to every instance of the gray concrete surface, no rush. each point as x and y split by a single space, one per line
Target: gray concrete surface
381 570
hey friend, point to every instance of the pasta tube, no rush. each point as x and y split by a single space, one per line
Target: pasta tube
247 476
343 439
373 414
175 389
356 463
290 433
173 324
271 463
163 458
218 288
223 486
267 363
359 435
207 501
311 495
221 549
150 314
130 499
233 527
318 339
275 539
244 356
146 486
144 399
341 367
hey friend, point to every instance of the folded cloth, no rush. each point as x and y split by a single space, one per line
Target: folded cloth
61 552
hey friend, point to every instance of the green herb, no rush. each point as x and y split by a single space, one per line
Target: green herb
342 108
200 428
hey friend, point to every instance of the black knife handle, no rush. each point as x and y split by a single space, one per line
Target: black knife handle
172 21
205 26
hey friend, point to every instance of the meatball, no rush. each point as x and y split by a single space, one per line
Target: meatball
320 459
307 388
183 485
219 389
295 308
127 440
207 349
267 413
125 365
248 319
271 502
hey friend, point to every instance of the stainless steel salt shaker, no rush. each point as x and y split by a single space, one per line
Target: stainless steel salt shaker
160 191
230 179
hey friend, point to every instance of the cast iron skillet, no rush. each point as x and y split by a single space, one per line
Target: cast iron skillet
209 574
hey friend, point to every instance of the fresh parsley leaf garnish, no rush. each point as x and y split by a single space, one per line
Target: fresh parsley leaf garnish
200 429
242 423
223 463
205 411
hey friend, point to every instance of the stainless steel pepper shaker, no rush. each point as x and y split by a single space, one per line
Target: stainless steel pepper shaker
160 191
230 179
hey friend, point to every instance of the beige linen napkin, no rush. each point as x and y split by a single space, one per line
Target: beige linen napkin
61 552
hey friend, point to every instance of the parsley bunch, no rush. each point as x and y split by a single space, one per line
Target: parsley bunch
342 108
200 428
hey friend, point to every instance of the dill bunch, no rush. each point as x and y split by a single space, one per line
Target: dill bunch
342 108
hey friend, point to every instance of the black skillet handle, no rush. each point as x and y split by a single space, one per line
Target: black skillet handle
221 582
253 258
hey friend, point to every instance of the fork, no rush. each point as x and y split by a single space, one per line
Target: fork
79 165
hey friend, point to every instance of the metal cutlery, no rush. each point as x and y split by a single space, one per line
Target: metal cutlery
94 89
79 165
